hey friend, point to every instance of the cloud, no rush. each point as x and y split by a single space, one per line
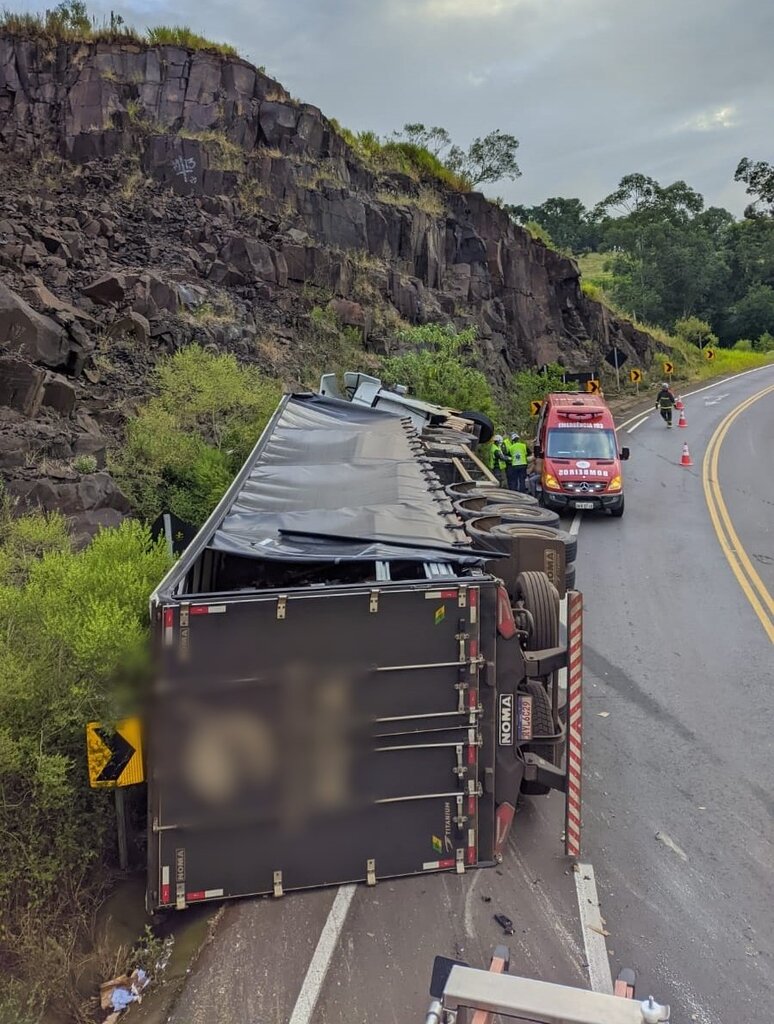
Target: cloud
468 8
712 120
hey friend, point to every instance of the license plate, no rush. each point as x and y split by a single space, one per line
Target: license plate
583 504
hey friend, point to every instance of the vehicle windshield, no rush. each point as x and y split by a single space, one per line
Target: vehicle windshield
581 444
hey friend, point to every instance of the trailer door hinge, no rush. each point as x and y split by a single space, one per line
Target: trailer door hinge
460 865
462 597
373 604
282 605
278 890
371 872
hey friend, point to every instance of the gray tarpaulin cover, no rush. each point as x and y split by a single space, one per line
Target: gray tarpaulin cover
332 481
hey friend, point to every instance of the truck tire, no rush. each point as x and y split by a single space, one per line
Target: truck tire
472 505
542 725
523 513
481 531
569 576
539 597
462 489
569 540
483 422
616 513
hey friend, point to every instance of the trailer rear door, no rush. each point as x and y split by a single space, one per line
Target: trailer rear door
307 739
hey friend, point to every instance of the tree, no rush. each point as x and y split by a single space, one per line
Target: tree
567 221
758 176
440 369
753 315
434 139
527 386
73 16
490 159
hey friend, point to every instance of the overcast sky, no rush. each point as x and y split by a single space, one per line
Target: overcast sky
593 89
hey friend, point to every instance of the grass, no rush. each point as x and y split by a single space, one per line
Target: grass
182 35
211 314
227 156
387 156
56 26
427 201
250 195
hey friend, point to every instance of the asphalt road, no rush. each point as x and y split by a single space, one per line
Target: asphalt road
679 787
679 792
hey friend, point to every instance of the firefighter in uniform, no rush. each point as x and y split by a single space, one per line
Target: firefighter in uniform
665 401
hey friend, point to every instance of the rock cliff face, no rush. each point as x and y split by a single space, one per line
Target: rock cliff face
154 196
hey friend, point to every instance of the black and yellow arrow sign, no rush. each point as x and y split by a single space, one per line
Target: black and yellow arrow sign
669 368
535 407
593 387
635 376
114 756
709 353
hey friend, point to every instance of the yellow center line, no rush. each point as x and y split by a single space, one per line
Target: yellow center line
753 586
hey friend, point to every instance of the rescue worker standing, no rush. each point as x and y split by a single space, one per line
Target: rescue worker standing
665 402
500 459
517 469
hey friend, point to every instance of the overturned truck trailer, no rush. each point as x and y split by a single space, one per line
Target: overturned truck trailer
347 690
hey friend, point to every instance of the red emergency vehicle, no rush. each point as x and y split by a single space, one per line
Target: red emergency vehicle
577 442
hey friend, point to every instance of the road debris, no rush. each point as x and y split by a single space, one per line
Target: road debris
505 923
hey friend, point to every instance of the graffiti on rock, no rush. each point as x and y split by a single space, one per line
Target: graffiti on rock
185 168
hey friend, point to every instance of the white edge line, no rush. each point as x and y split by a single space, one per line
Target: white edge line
575 525
698 391
312 984
632 429
592 926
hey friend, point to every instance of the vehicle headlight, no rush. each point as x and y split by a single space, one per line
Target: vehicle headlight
615 484
551 483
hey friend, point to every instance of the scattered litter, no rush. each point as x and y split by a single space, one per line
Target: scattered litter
120 992
599 931
505 923
603 714
487 899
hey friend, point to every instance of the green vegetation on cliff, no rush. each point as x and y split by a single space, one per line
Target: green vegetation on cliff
70 22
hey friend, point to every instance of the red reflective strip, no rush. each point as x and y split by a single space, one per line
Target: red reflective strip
471 805
448 593
446 863
471 857
473 648
169 618
165 893
474 597
472 699
191 897
573 797
199 609
471 755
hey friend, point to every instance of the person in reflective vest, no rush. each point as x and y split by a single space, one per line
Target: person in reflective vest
501 458
517 468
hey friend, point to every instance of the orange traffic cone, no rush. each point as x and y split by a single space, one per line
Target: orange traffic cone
685 458
679 404
682 422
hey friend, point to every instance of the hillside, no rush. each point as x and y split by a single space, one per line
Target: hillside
154 196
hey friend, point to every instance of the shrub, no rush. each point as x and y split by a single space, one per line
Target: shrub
440 369
73 632
695 331
528 386
186 444
85 464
